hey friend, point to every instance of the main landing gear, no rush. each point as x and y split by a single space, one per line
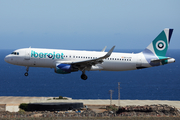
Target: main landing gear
84 76
26 73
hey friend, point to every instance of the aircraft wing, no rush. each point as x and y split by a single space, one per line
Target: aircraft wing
94 61
97 60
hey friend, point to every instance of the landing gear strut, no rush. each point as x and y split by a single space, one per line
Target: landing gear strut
84 76
26 73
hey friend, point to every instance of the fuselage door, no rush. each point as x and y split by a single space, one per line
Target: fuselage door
27 54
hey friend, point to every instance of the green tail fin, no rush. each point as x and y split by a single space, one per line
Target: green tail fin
160 44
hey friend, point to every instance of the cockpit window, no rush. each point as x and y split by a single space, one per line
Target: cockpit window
15 53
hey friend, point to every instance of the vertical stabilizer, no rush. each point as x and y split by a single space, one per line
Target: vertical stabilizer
158 47
160 44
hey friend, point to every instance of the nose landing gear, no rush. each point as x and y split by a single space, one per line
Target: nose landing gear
26 73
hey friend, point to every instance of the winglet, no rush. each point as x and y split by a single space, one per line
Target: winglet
104 49
109 53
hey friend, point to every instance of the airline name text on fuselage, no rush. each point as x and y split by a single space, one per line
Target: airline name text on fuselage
49 55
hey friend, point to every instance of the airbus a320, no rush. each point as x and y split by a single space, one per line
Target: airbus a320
67 61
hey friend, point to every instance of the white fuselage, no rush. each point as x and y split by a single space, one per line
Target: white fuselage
35 57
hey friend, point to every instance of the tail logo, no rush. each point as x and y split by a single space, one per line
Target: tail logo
160 45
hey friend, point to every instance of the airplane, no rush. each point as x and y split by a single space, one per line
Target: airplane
67 61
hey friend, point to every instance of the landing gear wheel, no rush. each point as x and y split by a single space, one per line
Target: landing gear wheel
84 77
26 74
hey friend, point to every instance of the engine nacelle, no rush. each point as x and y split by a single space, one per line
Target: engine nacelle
64 68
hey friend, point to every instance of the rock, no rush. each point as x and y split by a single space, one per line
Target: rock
36 115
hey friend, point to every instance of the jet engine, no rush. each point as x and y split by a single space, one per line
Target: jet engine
64 68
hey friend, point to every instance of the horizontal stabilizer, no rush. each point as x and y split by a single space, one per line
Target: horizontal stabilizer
159 60
169 60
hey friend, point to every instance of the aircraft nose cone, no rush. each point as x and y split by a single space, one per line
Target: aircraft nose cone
6 59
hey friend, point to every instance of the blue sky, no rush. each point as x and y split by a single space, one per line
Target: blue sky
87 24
